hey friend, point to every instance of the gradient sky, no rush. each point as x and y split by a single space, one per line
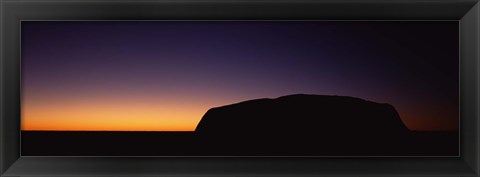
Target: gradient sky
164 75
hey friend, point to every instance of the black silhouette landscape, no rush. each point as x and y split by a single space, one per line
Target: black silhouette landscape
293 125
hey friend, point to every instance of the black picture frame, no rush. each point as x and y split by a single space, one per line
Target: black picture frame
467 12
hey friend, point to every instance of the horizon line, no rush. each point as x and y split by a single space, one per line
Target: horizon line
105 131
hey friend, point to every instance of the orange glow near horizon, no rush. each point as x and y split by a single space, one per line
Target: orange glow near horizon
104 113
97 107
116 109
110 118
107 113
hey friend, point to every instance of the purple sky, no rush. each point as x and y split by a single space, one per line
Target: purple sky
411 65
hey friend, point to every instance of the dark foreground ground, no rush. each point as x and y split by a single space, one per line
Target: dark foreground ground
58 143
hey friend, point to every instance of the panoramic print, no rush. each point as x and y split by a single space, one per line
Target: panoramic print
239 88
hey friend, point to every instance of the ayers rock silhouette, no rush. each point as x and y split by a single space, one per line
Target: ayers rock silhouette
305 119
295 125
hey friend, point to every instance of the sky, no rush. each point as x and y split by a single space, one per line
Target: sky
165 75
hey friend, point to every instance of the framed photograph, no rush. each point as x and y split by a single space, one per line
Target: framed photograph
239 88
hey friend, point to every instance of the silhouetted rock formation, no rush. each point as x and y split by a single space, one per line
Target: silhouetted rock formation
306 119
295 125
